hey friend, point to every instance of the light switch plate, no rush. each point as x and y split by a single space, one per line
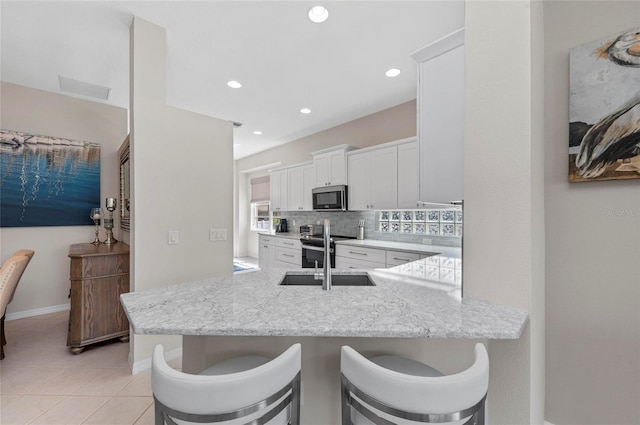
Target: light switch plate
217 235
173 237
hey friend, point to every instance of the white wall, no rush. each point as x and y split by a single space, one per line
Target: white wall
395 123
182 173
593 247
45 283
503 245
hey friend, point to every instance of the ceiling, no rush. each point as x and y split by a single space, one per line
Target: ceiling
284 61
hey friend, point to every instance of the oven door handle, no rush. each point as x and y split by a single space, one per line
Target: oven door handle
316 248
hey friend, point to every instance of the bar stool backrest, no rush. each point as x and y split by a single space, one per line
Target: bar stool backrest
387 397
257 394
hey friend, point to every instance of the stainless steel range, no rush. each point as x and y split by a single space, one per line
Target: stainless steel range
313 250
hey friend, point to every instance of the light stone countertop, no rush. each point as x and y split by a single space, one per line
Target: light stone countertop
253 304
449 251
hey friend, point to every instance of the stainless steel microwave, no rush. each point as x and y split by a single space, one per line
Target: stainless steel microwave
330 198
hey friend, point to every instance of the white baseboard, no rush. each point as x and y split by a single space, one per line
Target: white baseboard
547 423
36 312
145 364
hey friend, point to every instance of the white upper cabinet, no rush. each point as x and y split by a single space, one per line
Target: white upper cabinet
279 185
331 165
408 175
384 178
379 176
441 118
302 178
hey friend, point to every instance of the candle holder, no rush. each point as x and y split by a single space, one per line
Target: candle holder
108 222
96 215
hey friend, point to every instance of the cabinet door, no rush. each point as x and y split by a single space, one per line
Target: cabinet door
408 175
441 126
279 190
296 188
102 313
263 255
358 164
308 183
384 178
337 167
321 162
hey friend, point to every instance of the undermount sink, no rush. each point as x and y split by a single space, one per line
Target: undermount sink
351 279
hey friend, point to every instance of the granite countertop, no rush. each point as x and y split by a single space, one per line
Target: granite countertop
287 235
449 251
249 304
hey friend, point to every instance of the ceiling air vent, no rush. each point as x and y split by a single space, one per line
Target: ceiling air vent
82 88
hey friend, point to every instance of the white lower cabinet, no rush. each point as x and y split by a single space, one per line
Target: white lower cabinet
288 253
397 258
266 252
350 257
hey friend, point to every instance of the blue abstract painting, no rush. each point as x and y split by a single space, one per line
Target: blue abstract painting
47 181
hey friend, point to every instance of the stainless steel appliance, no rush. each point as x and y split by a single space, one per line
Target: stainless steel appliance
311 229
313 250
330 198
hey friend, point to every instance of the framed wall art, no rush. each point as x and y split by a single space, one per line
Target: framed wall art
47 181
604 109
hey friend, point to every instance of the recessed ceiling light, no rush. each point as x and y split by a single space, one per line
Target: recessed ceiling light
318 14
234 84
393 72
305 110
257 132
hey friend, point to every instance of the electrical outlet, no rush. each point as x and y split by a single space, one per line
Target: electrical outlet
173 237
217 235
427 241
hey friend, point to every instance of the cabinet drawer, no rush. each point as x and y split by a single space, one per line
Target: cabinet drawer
396 258
288 243
267 240
345 263
288 255
98 266
359 253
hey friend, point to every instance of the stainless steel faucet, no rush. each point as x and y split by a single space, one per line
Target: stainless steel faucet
326 281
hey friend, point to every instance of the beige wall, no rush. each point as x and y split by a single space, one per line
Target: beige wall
503 180
45 283
182 169
395 123
593 247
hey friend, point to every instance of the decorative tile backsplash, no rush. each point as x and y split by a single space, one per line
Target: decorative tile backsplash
446 222
346 223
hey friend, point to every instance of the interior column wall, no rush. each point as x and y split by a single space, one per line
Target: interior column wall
503 252
182 169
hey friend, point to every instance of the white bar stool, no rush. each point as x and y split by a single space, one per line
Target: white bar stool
391 390
241 390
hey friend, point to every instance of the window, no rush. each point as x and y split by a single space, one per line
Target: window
261 215
260 204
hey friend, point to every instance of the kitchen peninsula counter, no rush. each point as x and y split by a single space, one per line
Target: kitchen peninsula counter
250 313
253 304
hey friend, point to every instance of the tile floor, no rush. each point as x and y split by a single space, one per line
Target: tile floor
41 382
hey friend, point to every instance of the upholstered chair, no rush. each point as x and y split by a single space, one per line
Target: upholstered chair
10 275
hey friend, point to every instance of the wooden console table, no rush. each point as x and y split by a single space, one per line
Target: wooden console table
99 274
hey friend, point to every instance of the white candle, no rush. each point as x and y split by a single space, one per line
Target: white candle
96 216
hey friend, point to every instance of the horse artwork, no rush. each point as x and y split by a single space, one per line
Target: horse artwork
604 109
47 181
